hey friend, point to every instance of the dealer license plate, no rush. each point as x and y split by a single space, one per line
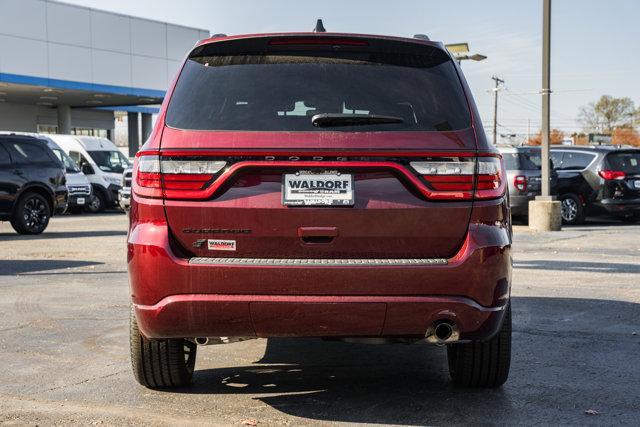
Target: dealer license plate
306 188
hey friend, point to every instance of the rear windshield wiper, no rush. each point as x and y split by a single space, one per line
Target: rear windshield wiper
337 119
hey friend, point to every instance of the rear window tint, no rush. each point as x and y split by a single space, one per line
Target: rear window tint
523 160
575 160
281 92
628 162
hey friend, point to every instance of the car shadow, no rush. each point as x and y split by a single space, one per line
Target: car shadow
587 267
61 235
347 382
566 353
602 221
13 267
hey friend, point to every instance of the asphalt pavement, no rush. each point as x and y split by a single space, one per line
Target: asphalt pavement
64 354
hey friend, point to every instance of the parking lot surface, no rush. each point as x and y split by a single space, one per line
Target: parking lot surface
64 358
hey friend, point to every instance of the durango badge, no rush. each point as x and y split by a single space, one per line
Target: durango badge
221 245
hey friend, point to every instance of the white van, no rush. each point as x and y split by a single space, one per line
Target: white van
101 162
77 183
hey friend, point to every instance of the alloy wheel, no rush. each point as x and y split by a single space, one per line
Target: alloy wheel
35 214
569 210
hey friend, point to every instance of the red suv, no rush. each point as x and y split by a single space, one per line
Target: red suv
319 185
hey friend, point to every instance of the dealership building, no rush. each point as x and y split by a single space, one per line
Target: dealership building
72 69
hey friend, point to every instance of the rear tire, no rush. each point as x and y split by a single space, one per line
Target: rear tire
482 363
572 210
161 363
31 215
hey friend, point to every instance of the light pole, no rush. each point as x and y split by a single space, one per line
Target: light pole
545 211
460 52
546 96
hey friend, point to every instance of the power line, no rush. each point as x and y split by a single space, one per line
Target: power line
531 107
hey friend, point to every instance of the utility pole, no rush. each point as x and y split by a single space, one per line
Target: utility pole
545 211
546 95
498 82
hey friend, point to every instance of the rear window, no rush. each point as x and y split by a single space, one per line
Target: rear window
522 160
627 162
282 92
572 160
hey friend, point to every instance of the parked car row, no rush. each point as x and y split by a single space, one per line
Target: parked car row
101 162
588 180
43 175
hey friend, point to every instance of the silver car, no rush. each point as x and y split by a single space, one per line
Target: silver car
524 177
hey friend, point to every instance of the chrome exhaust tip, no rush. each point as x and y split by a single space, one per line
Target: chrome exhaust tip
202 340
219 340
443 332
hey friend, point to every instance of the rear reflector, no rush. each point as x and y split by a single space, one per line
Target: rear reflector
456 176
609 175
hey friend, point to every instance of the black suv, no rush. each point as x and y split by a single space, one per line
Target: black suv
596 180
32 183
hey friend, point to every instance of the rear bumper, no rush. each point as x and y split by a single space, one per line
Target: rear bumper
175 298
198 315
620 206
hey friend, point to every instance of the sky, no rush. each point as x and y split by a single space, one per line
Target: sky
595 44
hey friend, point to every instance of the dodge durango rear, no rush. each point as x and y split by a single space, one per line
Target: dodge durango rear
319 185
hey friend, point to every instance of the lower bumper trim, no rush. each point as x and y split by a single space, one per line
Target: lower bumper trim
329 262
214 315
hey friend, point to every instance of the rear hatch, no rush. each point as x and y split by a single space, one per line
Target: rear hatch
319 147
621 171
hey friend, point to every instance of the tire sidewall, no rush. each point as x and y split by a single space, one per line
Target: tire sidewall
20 224
96 203
574 200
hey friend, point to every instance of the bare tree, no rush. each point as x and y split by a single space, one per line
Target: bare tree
607 114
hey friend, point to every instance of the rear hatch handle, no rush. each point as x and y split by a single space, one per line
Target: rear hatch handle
317 235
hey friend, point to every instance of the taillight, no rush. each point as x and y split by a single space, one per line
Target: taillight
609 175
520 183
157 176
454 178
